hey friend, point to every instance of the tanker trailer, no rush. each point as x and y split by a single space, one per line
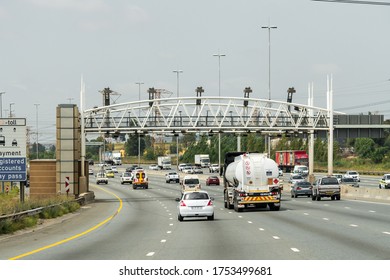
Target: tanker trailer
251 181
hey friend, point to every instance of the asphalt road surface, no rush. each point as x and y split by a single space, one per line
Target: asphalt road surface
127 224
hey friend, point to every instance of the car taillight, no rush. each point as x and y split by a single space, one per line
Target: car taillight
274 193
298 188
182 203
210 203
241 194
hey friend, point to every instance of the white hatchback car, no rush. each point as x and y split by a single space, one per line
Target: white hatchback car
195 204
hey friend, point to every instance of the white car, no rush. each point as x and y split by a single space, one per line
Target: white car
153 167
339 177
113 168
384 183
172 177
214 168
352 174
126 177
181 166
195 204
101 178
188 170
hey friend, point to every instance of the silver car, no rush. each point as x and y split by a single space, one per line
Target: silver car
301 188
349 182
296 178
195 204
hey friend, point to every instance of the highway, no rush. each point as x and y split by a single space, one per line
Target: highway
127 224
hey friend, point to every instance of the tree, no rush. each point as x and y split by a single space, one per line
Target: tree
364 147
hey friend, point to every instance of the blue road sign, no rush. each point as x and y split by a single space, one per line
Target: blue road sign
13 169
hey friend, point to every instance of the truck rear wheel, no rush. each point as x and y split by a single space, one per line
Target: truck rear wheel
272 207
227 203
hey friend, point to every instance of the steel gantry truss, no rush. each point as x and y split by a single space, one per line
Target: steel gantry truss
206 114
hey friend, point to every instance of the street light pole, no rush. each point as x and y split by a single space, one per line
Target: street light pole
36 110
1 103
269 58
177 135
177 72
269 27
139 115
219 55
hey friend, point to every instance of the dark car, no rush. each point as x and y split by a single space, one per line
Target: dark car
212 180
301 188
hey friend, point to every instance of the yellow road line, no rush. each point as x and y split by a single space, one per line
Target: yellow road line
77 235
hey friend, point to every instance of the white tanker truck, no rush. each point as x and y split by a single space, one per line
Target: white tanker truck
251 180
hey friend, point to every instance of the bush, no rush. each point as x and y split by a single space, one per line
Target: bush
54 207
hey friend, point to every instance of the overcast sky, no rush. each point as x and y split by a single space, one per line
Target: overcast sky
47 45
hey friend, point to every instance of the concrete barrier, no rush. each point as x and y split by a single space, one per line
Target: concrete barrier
367 194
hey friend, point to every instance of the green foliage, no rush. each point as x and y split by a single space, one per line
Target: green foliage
364 147
9 204
379 154
131 145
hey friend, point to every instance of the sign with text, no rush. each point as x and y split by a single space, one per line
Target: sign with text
13 149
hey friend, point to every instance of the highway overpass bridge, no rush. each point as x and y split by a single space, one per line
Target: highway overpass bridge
238 115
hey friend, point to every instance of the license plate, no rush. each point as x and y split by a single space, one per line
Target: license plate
196 207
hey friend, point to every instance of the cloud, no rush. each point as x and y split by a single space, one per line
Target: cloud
135 14
328 68
75 5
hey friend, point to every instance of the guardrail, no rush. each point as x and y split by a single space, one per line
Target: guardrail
375 173
35 211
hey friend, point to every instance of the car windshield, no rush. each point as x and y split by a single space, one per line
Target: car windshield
329 181
173 173
195 195
213 177
387 177
126 175
192 181
297 177
352 173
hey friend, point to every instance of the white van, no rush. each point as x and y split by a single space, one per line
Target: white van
301 169
190 183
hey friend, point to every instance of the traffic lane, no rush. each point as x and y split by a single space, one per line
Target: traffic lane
229 236
138 232
198 238
59 229
133 234
332 229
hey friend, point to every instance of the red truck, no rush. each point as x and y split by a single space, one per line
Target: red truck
289 158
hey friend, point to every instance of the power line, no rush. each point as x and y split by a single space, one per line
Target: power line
362 106
355 2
